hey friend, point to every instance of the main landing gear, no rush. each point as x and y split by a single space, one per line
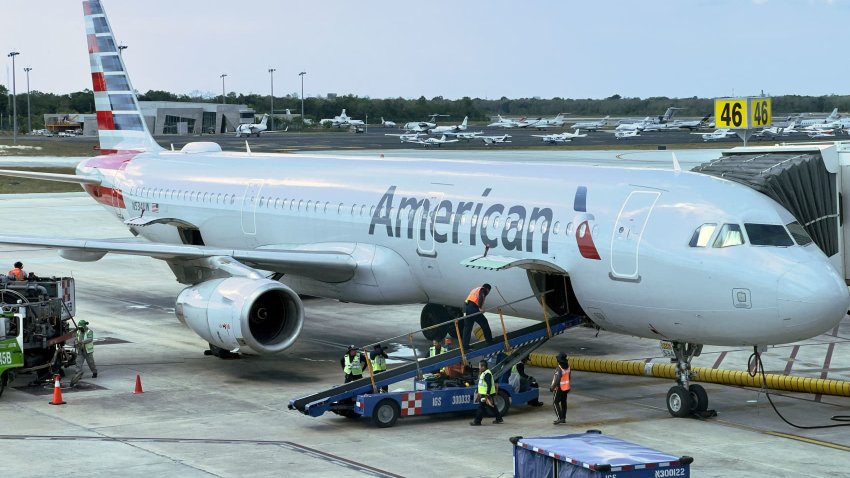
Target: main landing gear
686 399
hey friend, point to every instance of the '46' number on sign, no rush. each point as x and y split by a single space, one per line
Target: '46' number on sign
731 114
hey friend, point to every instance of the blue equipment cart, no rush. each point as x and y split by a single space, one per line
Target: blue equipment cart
593 455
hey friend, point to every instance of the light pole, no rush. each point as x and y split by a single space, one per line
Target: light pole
271 109
223 98
121 48
29 118
302 97
12 55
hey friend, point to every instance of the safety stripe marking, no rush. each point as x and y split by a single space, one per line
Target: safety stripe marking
826 362
791 359
719 360
812 441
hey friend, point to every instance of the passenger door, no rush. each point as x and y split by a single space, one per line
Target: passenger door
628 230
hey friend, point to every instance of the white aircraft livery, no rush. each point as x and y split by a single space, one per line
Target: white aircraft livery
666 254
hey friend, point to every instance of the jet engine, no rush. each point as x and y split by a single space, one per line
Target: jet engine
258 316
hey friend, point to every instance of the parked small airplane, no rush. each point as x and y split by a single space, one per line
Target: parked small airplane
507 122
560 137
387 124
466 135
437 141
451 129
407 137
488 140
592 125
628 133
342 120
822 133
722 133
691 124
556 122
247 129
813 121
422 126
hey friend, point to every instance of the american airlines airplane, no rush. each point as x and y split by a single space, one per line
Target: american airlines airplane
664 254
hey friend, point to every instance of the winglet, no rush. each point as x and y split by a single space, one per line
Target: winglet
676 166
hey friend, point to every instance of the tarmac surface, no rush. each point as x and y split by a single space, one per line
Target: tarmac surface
203 416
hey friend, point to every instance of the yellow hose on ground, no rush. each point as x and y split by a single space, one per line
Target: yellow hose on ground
788 383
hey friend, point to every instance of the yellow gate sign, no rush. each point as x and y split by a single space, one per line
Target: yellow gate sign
742 113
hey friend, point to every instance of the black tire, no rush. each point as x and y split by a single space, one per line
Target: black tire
3 378
386 413
433 314
699 398
502 400
679 402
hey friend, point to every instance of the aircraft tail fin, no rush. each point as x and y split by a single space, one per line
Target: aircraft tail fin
834 115
120 124
465 121
265 120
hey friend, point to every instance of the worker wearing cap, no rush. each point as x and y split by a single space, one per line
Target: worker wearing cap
17 272
84 339
379 361
561 387
487 389
352 364
472 309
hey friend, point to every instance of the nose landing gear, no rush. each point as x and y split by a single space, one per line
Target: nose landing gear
685 399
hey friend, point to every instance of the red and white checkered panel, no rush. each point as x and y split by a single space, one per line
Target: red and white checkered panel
411 404
119 120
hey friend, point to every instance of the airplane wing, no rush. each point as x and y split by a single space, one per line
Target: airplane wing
327 263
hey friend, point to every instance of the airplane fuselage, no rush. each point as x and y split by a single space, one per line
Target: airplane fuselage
622 235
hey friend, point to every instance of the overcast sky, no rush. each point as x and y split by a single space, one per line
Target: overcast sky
451 48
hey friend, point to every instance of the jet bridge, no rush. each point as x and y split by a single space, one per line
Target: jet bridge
808 179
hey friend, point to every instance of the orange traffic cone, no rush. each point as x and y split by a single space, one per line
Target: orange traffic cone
138 385
57 392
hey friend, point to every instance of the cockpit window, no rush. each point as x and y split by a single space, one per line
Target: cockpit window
768 235
799 233
729 235
702 235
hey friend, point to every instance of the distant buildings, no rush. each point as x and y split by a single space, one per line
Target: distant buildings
165 117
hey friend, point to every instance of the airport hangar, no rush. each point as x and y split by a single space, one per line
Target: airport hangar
165 117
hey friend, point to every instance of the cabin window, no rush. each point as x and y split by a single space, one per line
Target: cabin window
339 209
309 205
799 233
475 220
556 229
300 204
768 235
702 235
372 211
363 210
543 227
729 235
353 209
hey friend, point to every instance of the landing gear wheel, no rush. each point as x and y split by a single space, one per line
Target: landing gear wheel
386 413
679 401
699 398
503 402
433 314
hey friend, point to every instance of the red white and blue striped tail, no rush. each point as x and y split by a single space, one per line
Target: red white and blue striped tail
120 124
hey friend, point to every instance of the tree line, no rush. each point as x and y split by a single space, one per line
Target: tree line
402 109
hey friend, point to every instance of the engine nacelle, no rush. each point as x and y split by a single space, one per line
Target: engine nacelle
246 315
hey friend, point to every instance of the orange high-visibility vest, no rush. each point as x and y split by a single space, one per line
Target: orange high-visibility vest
18 274
474 296
565 380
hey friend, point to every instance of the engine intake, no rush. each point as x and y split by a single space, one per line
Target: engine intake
244 315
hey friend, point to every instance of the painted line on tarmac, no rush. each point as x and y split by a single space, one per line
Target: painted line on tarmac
324 456
812 441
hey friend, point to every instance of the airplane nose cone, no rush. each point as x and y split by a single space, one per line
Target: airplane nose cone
811 299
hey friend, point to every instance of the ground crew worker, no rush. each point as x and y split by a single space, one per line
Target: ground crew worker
487 389
379 362
472 309
84 339
436 348
17 273
561 386
352 364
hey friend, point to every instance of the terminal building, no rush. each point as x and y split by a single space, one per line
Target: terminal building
165 117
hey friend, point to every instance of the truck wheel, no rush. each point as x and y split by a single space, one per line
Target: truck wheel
433 314
503 402
386 413
3 377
